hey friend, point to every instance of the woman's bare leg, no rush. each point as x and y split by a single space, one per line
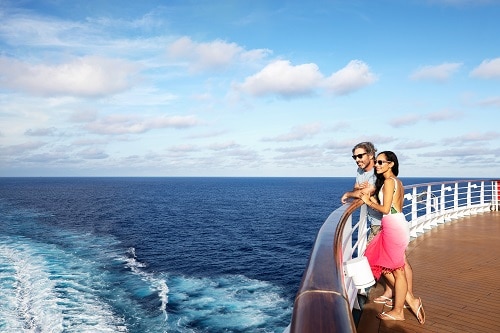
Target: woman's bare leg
389 284
400 292
414 302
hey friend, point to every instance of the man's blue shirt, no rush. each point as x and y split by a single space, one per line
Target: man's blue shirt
374 216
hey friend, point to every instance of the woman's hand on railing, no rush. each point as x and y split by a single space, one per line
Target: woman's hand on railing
367 199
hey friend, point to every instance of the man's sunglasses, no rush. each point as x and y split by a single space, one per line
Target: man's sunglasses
360 156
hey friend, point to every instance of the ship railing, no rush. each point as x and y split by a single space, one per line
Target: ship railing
327 296
431 204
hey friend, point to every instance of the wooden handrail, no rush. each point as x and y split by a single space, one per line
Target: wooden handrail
322 304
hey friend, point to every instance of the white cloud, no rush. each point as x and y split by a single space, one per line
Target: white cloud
298 133
414 145
472 138
82 77
210 56
206 135
89 142
488 69
50 131
439 73
345 146
22 29
184 148
444 115
223 146
281 78
412 119
93 154
83 116
89 35
255 55
21 148
352 77
121 124
460 153
490 102
47 158
301 155
405 120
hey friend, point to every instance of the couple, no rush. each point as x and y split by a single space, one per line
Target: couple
380 189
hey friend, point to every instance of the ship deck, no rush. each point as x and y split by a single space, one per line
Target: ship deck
456 269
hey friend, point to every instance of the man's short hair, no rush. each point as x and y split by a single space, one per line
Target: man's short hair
367 146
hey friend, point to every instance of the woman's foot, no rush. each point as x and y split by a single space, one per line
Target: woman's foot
390 303
382 299
418 310
390 316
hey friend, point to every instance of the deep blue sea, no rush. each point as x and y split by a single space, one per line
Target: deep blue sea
157 254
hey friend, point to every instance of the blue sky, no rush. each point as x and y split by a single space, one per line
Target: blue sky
248 88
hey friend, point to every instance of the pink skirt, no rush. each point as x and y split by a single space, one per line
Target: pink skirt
386 251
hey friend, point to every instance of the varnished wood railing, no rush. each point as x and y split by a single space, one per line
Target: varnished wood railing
322 304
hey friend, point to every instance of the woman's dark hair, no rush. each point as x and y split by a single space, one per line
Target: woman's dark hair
391 157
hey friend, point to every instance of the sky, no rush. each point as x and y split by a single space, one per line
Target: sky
261 88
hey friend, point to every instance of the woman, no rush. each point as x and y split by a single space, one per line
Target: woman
386 252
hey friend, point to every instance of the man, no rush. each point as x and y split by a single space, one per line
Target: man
364 155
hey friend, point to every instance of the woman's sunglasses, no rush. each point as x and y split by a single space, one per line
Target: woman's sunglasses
380 162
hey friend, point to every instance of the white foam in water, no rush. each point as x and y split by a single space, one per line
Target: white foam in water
225 304
31 302
39 296
160 284
231 303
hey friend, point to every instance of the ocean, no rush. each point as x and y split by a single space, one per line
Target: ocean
158 254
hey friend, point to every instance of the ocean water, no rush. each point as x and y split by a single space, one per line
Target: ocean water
157 254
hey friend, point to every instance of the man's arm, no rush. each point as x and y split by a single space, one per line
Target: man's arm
358 191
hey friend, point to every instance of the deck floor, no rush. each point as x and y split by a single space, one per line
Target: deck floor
456 272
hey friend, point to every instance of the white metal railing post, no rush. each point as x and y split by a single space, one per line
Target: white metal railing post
481 194
362 229
469 192
347 237
347 245
493 203
446 189
428 198
414 204
495 194
428 208
442 203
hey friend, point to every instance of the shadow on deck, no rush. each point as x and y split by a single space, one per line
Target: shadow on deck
456 269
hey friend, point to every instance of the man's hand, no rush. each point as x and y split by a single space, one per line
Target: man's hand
358 191
344 198
361 186
355 193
